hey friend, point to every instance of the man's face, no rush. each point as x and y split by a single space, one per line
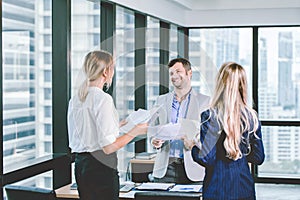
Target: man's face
179 77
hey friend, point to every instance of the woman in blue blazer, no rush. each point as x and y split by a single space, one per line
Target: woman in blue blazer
230 138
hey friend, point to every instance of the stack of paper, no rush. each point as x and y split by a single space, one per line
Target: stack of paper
155 186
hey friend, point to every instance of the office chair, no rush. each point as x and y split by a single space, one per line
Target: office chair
18 192
164 195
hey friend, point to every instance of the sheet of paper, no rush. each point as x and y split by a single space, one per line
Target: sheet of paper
189 127
186 188
139 116
166 132
175 131
155 186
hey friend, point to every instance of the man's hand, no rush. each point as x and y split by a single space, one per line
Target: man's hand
188 143
157 143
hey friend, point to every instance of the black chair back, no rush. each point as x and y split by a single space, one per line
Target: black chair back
18 192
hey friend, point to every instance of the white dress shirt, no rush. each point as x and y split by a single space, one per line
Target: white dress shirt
94 123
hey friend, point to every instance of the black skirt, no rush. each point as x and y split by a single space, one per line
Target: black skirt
97 176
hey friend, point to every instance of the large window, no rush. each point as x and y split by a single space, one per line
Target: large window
278 100
124 73
41 48
26 82
210 48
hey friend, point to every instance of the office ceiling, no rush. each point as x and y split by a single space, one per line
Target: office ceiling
197 13
235 4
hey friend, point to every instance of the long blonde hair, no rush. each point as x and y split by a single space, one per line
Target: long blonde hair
95 62
230 105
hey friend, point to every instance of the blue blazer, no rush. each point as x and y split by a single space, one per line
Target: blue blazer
226 179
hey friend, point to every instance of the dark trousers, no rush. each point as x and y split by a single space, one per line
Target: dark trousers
175 173
96 180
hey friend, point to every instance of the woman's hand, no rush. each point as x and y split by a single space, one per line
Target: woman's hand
139 129
188 143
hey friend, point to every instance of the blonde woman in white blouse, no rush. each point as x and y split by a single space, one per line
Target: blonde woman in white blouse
93 128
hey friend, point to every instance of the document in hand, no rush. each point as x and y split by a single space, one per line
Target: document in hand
175 131
189 127
139 116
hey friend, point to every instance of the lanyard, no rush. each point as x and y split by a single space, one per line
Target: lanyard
186 108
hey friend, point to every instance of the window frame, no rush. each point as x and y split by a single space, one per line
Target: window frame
60 161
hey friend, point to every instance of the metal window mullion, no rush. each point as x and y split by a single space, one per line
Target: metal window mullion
140 70
164 40
183 42
61 26
108 26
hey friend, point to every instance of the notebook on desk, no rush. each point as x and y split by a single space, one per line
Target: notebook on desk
186 188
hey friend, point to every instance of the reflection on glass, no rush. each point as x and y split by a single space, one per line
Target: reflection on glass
27 81
152 60
282 152
210 48
152 65
124 72
85 35
173 42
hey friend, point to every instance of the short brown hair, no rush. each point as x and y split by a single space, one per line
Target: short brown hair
186 64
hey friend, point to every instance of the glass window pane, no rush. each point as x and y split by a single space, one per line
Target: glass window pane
85 35
279 73
27 54
124 90
152 60
210 48
173 42
282 150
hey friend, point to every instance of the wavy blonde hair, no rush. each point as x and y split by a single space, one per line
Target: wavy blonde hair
95 62
230 105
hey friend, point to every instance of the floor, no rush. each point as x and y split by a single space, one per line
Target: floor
277 191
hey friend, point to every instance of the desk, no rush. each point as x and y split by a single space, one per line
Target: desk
65 193
140 169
